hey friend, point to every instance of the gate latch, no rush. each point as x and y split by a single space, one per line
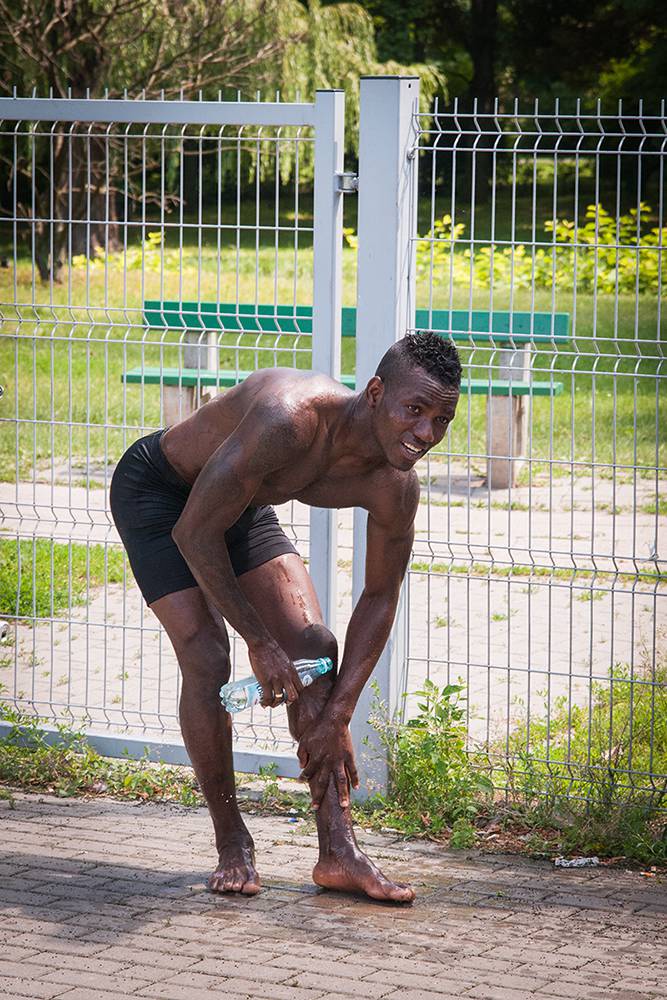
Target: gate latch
347 183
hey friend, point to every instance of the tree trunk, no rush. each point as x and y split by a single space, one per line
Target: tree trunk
96 227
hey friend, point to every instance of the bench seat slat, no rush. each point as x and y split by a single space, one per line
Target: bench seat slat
460 324
203 377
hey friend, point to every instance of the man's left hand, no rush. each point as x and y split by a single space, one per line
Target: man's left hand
325 749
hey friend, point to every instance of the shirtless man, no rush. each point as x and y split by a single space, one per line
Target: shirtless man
191 505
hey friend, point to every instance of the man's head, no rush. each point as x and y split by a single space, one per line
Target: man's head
413 396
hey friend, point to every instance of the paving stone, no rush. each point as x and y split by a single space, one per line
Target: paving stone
323 967
242 970
30 988
170 991
163 960
487 992
85 993
347 987
438 979
94 980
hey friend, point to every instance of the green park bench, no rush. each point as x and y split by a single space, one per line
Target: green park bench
508 395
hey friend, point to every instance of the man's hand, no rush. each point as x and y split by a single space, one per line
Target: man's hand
276 673
325 749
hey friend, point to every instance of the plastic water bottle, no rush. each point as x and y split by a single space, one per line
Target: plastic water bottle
238 695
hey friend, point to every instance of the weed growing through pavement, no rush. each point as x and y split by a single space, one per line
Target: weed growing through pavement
68 765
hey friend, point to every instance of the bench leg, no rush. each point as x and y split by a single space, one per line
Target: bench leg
178 402
506 431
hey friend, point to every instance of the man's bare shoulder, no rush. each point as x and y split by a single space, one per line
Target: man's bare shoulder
395 498
294 379
288 399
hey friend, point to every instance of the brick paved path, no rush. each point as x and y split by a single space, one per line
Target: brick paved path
105 901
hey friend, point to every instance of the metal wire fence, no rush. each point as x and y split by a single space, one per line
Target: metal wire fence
139 251
150 259
538 576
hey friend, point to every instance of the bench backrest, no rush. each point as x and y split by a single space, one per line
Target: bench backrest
459 324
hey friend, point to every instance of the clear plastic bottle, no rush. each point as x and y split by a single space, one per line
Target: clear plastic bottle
238 695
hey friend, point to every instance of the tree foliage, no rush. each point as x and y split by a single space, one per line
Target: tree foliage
531 48
161 48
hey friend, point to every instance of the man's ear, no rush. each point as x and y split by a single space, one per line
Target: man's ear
374 391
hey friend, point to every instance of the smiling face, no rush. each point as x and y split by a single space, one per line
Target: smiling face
410 414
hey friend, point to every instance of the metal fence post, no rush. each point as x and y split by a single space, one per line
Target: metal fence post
385 311
327 302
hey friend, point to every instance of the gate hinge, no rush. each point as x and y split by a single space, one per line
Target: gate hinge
347 183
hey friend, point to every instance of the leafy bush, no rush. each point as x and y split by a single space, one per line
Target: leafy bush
600 777
586 255
433 784
40 577
596 756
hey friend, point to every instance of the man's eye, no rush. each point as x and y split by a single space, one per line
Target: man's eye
442 420
412 408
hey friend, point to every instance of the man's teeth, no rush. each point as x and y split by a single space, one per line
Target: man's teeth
415 451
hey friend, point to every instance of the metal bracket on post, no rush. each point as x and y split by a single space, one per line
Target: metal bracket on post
327 304
385 311
347 183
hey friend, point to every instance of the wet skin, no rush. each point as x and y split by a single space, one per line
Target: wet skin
285 435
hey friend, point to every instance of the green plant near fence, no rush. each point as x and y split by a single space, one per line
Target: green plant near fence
608 752
68 765
433 783
584 779
606 253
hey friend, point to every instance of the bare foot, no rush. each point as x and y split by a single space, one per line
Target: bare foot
236 870
352 871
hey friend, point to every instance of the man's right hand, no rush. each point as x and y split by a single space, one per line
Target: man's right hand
276 673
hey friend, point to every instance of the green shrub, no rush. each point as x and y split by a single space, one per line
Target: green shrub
432 781
39 578
603 754
598 774
584 254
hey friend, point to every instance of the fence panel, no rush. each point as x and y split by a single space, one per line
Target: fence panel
153 251
538 576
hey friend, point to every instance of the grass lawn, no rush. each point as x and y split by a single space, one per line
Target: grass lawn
63 351
39 578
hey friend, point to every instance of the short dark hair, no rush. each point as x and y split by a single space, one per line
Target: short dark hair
434 354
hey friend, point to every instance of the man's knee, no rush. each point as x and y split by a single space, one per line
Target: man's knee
317 640
203 656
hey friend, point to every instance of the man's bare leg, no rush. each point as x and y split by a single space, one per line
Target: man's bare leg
201 644
283 595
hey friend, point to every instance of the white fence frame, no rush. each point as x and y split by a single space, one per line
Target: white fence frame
326 116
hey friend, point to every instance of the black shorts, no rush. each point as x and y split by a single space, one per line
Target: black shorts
147 497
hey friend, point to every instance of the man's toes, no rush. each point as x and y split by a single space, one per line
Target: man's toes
234 881
251 887
215 882
400 893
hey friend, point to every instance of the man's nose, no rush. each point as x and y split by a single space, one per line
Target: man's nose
425 432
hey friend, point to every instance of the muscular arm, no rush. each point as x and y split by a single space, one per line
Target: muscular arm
268 438
387 556
390 534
